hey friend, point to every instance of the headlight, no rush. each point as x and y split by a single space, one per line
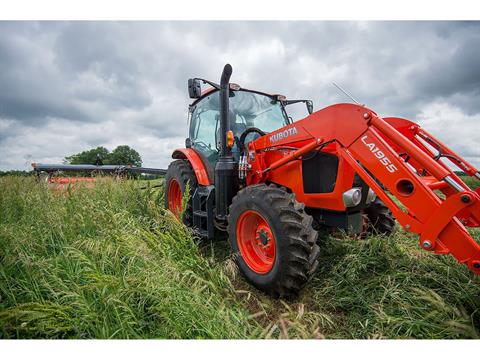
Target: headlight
371 196
352 197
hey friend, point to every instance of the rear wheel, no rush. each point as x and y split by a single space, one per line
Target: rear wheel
380 220
272 239
179 174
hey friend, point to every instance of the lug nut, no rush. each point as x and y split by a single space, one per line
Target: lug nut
465 199
427 244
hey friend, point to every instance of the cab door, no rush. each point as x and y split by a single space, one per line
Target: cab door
204 124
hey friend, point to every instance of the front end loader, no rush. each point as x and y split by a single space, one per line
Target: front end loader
274 184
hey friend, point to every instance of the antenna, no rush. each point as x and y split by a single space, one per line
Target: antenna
346 93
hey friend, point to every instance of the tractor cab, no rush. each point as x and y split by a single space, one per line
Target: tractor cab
248 109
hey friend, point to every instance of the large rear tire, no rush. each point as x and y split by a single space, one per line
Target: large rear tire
179 174
272 239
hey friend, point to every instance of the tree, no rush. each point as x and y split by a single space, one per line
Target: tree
121 155
125 155
89 156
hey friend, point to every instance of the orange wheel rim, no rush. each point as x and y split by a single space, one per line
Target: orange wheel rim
175 198
256 241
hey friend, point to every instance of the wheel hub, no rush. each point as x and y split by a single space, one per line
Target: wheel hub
256 241
263 236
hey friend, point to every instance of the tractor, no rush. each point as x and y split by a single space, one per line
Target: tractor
273 184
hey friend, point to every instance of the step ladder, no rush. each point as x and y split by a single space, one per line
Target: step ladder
203 216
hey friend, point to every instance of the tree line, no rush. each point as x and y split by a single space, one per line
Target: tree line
121 155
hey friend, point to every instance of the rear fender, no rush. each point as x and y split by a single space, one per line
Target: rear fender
196 163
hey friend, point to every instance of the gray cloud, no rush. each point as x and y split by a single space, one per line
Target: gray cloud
68 86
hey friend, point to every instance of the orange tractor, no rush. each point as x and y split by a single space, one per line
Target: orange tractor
272 183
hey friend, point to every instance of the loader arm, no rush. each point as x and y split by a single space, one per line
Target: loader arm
394 158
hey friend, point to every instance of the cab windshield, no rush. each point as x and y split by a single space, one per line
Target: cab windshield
246 109
249 109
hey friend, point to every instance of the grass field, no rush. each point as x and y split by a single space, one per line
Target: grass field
112 263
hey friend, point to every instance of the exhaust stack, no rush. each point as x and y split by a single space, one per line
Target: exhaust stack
226 169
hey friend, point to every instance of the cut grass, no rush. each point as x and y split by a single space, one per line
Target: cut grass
110 262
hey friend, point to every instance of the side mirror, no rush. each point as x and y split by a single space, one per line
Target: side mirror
194 88
309 106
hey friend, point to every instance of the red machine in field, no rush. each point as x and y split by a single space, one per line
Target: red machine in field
273 183
58 175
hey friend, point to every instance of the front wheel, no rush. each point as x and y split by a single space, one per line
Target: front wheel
179 174
272 239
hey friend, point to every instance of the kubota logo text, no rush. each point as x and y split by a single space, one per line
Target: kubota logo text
380 155
283 134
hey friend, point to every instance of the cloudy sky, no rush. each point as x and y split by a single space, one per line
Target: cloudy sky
70 86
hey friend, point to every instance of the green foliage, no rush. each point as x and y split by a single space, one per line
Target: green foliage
89 156
107 262
110 262
472 182
17 173
125 155
389 287
121 155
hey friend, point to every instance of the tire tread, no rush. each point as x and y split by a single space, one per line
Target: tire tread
303 250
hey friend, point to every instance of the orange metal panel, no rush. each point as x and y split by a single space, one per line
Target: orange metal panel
196 162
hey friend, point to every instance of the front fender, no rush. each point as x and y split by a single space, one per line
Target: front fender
196 163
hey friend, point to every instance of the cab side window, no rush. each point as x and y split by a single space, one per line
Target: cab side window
204 123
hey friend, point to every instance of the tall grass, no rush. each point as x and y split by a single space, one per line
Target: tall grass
106 263
110 262
389 287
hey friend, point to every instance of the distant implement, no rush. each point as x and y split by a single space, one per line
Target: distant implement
53 170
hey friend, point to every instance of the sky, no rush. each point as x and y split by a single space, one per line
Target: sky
66 87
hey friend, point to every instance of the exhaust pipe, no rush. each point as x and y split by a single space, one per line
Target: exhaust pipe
224 109
226 169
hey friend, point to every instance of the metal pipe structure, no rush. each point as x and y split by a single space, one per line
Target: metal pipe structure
224 110
50 168
226 168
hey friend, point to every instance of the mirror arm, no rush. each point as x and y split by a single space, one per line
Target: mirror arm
216 86
290 102
305 101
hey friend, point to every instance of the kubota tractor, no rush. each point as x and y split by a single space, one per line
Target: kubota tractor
272 183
